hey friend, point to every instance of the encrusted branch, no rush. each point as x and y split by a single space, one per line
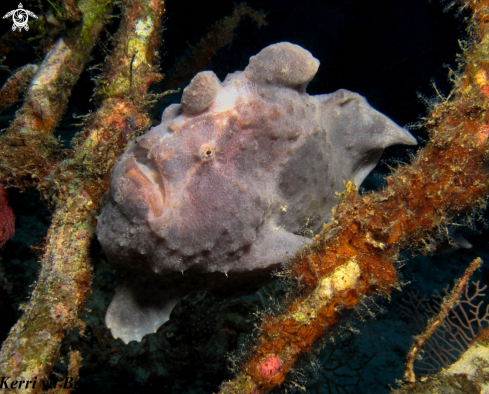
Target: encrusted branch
27 147
447 305
468 375
74 187
354 256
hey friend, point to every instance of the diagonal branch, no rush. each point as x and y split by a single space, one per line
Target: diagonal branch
353 257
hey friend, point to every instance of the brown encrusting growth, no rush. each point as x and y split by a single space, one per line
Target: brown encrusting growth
71 11
16 85
74 186
7 218
354 256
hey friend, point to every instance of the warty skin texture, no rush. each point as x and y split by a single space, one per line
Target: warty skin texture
215 196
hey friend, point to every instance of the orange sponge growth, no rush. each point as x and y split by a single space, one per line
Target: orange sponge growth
7 218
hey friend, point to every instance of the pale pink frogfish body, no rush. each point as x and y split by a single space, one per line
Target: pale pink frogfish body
215 196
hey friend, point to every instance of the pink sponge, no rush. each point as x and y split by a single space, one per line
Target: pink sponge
270 366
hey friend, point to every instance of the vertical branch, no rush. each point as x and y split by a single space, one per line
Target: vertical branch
466 375
447 305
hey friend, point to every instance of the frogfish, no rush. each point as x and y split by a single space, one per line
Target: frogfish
218 196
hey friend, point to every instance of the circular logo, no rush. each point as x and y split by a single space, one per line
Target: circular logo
20 18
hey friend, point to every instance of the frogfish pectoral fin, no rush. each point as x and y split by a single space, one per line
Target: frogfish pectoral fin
134 313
